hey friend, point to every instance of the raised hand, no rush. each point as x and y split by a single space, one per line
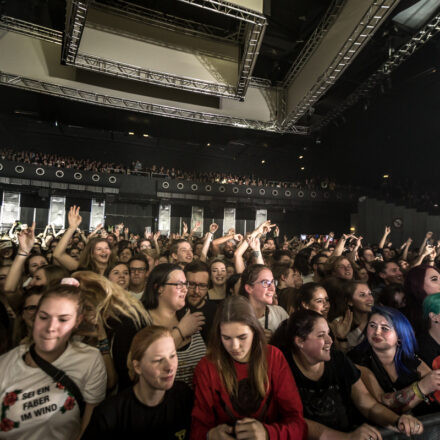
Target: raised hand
26 239
73 217
213 228
342 327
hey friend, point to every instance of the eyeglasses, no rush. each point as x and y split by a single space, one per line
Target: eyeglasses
179 285
267 283
30 308
137 269
201 286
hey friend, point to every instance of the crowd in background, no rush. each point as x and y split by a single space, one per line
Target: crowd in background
139 168
257 337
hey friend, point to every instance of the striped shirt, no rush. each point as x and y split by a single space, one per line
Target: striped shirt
189 356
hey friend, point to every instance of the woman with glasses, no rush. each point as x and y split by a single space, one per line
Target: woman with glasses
258 285
164 297
243 387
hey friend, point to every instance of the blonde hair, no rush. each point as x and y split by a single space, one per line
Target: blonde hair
140 343
109 299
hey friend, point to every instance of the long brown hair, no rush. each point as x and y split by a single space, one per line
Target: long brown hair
238 309
86 260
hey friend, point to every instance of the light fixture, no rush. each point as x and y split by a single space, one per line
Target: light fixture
385 176
145 135
263 161
302 168
131 133
208 144
300 157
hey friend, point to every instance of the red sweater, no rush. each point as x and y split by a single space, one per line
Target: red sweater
283 418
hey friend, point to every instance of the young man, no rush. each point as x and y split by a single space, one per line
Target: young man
181 252
197 275
138 267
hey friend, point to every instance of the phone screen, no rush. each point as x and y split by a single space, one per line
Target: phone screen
303 237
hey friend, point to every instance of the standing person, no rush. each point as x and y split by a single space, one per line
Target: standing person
156 406
391 371
96 256
429 339
218 278
181 252
197 275
138 267
35 405
258 285
354 308
243 387
119 274
164 297
332 391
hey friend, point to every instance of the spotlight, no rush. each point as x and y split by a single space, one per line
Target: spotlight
263 161
208 144
300 157
302 168
131 133
386 176
145 135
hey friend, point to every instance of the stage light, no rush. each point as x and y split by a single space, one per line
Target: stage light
352 229
386 176
263 161
302 168
300 157
131 133
208 144
145 135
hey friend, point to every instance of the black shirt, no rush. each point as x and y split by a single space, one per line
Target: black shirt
124 416
428 348
328 400
208 309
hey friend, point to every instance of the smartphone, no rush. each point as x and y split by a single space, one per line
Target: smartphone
303 237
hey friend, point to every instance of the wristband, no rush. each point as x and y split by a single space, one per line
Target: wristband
22 254
180 332
418 392
256 253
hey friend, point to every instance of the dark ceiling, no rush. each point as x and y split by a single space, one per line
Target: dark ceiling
290 24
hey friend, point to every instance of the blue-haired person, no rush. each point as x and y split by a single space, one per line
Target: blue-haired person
429 338
390 368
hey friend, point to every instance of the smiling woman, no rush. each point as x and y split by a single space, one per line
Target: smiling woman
50 408
332 391
165 296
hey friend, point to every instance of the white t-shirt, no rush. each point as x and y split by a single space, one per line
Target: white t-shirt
35 407
276 316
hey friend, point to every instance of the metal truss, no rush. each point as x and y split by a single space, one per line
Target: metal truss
166 21
253 36
30 29
313 42
229 9
395 60
127 71
139 106
74 28
371 20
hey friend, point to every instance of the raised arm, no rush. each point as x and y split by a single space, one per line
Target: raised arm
219 241
339 248
207 241
406 249
26 240
59 252
384 237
